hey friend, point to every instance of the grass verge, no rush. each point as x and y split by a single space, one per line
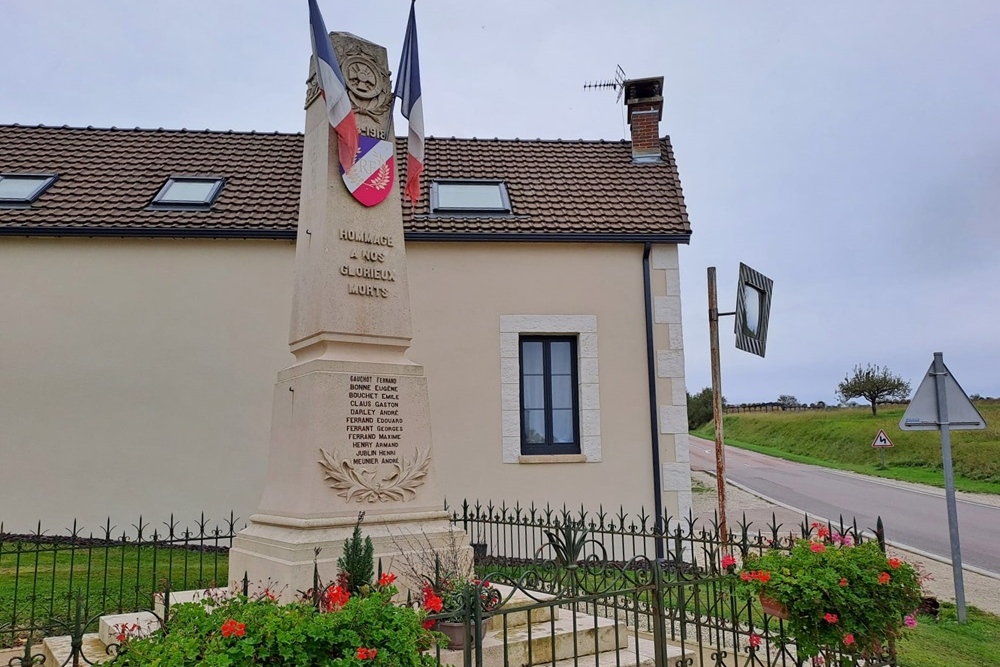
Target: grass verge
945 643
842 439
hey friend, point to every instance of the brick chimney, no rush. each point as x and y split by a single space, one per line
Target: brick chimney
644 100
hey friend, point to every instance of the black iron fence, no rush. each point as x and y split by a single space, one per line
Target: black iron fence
594 588
45 576
683 603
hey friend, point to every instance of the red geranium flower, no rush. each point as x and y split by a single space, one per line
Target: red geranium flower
817 547
884 578
386 579
754 640
848 639
746 576
335 597
830 618
429 623
367 653
728 560
432 602
895 563
843 582
231 627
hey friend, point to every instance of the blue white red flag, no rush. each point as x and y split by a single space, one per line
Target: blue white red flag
334 89
408 91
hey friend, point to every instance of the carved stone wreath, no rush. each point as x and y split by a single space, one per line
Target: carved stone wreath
365 485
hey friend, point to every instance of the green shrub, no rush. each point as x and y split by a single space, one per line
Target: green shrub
357 631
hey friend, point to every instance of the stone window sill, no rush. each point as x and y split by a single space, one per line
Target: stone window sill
553 458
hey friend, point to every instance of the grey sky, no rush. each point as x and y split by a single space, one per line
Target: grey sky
848 150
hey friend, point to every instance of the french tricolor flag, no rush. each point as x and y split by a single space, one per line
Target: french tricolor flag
334 89
408 91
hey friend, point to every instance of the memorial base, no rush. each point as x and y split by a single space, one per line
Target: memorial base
279 553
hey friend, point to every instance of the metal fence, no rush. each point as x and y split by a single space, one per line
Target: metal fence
44 576
601 563
580 588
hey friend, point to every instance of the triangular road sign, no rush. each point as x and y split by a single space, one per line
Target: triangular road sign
922 414
881 440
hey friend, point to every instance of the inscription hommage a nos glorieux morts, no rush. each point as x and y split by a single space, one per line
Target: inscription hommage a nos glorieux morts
374 277
373 424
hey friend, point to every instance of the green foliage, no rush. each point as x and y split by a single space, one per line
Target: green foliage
568 541
358 561
873 383
700 411
839 596
264 632
788 401
843 437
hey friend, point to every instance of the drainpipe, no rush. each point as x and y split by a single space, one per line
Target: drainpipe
654 429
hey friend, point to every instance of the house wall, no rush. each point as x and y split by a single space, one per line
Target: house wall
136 375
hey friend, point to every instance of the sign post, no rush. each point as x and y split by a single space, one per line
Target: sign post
940 404
882 443
753 309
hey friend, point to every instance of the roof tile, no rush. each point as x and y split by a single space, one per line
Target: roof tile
109 176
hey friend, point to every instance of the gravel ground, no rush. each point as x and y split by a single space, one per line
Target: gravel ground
980 590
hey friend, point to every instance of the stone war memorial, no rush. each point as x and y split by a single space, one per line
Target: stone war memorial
350 424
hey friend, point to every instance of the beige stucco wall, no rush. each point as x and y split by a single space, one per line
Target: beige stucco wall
137 375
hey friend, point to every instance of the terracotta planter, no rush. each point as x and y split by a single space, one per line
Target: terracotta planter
456 632
774 608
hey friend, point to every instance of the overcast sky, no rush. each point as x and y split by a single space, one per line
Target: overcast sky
849 150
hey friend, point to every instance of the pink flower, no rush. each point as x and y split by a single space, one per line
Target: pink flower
817 547
848 639
910 621
819 660
728 560
830 618
754 640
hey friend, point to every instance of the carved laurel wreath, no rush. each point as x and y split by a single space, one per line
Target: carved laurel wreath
363 485
382 177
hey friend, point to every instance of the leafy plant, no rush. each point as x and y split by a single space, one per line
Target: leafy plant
357 564
568 541
349 631
840 597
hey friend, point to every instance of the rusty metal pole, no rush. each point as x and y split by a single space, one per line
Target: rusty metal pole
720 452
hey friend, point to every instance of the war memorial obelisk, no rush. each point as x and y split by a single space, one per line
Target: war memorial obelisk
350 426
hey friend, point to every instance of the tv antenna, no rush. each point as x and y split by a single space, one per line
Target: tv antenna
618 83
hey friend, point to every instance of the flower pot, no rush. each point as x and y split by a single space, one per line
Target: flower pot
455 631
774 608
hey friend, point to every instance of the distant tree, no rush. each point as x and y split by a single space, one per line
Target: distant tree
700 410
820 405
788 401
875 384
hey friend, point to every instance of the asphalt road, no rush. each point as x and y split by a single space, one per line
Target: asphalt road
913 518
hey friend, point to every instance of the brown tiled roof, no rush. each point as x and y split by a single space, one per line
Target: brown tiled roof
573 190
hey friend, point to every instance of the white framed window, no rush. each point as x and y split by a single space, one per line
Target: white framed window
560 422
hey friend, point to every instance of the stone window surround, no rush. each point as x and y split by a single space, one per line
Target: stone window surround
585 327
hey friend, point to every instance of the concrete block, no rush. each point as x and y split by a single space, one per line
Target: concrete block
667 310
670 363
136 625
673 419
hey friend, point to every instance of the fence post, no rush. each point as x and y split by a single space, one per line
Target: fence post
660 657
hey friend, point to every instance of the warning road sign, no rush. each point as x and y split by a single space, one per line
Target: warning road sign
881 440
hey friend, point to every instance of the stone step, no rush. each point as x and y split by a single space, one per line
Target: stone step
550 640
58 650
517 599
134 626
638 653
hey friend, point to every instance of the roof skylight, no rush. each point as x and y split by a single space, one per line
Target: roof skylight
23 188
475 197
188 192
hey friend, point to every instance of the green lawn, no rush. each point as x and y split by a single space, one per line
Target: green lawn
842 439
39 582
945 643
